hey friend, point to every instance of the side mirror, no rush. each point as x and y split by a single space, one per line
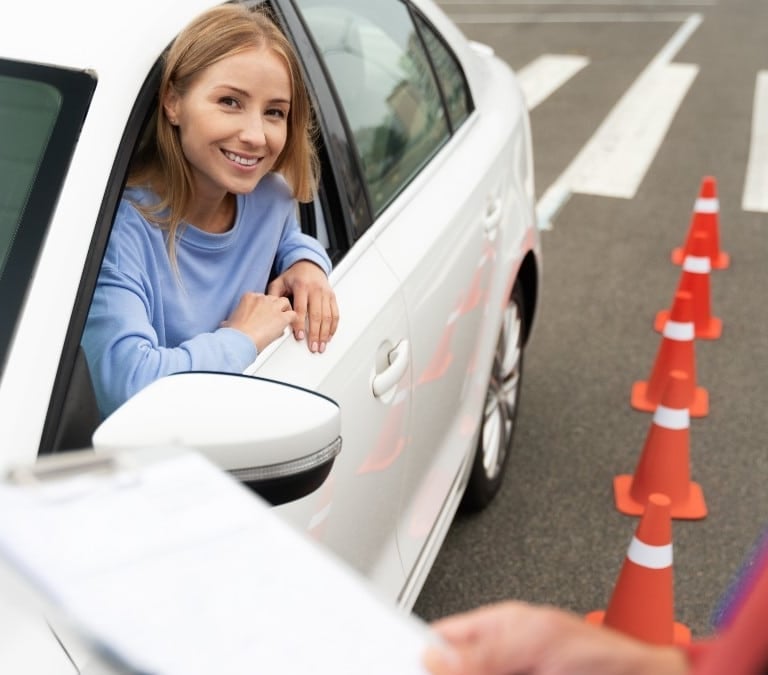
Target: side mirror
278 439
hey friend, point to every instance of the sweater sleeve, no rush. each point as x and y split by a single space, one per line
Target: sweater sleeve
295 245
122 346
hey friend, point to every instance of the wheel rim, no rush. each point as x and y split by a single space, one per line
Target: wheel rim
503 389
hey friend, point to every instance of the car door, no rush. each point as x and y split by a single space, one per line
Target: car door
366 367
452 248
366 370
452 216
442 242
435 187
437 205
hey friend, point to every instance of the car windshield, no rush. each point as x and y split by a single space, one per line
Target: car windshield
41 112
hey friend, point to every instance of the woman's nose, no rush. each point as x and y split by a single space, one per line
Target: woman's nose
253 131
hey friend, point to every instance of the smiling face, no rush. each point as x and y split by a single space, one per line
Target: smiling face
233 121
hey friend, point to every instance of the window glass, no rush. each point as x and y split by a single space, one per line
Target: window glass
386 86
28 111
449 74
41 112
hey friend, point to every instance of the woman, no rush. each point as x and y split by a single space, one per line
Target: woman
208 217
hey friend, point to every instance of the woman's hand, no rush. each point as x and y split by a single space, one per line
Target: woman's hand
313 299
263 318
515 637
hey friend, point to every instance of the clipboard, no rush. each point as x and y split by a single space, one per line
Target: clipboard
165 565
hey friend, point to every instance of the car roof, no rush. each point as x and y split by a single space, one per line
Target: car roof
96 35
120 41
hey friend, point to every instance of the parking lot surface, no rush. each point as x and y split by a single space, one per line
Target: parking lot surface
554 534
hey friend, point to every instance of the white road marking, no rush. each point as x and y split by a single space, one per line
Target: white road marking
755 197
587 3
567 17
616 159
657 92
547 73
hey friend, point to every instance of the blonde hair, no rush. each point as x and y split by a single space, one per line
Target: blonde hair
214 35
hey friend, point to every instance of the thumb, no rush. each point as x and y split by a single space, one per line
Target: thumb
277 288
441 660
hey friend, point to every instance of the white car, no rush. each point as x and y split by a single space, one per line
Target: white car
426 208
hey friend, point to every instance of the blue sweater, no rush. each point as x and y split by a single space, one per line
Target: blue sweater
146 321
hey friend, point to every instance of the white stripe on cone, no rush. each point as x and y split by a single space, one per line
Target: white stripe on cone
671 418
652 557
680 331
707 205
697 264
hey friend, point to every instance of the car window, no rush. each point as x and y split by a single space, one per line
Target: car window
449 75
41 111
386 86
28 110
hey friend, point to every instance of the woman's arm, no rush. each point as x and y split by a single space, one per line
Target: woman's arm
303 267
125 353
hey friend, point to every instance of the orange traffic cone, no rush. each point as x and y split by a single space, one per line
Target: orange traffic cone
695 278
664 463
706 216
676 352
642 602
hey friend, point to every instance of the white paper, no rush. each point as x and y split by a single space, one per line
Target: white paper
174 569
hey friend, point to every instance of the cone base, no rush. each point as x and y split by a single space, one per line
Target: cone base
693 508
681 634
711 331
721 261
639 400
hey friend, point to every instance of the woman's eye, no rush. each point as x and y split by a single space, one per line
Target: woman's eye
229 102
277 112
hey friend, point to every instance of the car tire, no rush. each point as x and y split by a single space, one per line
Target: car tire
494 443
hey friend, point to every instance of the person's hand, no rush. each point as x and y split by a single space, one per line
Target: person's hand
515 637
263 318
313 298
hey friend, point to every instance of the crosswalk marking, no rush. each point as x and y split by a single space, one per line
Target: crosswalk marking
546 74
667 83
581 3
567 17
615 160
755 196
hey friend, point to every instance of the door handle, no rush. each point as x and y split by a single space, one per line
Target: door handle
398 358
492 215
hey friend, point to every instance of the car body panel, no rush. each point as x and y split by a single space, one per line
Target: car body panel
464 218
33 361
22 628
369 470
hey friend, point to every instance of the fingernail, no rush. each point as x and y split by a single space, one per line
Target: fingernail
300 335
322 347
313 347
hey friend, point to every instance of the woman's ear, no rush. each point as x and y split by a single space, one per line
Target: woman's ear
171 101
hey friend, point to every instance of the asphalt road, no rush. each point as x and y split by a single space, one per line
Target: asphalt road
553 535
